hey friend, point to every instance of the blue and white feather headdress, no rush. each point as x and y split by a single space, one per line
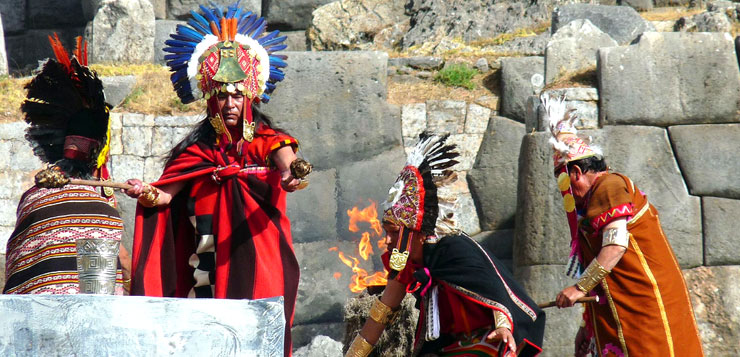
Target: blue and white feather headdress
226 51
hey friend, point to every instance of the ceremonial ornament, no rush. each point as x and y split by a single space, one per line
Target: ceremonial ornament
413 201
500 320
398 260
593 275
359 347
616 236
96 265
382 313
225 51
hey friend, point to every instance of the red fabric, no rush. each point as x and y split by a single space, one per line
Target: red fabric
254 256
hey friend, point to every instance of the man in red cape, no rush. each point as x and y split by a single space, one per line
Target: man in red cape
214 224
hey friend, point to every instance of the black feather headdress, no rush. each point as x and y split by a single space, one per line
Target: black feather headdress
66 100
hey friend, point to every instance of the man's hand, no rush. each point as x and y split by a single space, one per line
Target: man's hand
288 182
568 296
582 343
503 333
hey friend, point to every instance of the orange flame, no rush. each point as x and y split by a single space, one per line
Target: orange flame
361 279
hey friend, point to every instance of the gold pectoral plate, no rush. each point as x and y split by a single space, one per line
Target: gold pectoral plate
249 132
398 260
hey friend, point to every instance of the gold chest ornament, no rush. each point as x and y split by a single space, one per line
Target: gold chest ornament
398 260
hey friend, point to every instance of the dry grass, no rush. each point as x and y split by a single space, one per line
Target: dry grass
12 95
670 13
408 93
586 79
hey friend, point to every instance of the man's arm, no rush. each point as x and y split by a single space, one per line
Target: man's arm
372 330
615 240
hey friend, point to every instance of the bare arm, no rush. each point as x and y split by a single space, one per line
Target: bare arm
166 192
392 296
282 158
608 257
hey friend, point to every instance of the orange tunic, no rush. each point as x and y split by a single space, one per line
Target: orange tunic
645 308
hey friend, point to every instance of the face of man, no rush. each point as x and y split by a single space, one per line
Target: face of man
391 234
231 106
581 183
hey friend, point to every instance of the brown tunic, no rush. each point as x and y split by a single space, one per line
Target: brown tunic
645 308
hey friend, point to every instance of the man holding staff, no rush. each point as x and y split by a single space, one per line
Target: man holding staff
619 254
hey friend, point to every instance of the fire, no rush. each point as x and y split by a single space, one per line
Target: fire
361 279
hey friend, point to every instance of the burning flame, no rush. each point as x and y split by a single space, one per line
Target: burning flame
361 279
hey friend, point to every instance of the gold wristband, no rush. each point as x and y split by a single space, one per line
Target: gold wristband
500 320
593 275
382 313
150 198
359 347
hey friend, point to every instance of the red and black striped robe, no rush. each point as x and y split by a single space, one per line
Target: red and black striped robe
242 214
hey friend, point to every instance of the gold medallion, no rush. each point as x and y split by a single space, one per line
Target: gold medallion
398 260
248 132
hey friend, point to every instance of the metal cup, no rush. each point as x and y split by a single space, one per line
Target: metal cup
97 262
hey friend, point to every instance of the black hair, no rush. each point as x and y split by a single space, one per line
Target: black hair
205 133
591 163
76 168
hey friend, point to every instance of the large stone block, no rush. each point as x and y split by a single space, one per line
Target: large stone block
476 119
413 120
446 116
90 8
699 148
292 14
541 230
117 88
353 24
500 243
715 296
334 103
49 14
318 340
7 212
645 155
313 210
493 178
14 183
137 140
139 325
162 31
521 77
543 283
5 233
621 23
720 230
165 138
26 49
296 40
180 9
124 167
369 179
13 130
670 74
123 31
22 158
127 209
584 100
572 49
3 54
13 14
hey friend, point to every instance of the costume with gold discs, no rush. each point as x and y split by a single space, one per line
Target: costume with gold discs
644 307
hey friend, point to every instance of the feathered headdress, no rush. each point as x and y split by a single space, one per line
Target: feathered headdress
561 124
65 107
414 201
567 147
225 51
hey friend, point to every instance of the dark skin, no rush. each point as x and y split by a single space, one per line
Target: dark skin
395 292
231 106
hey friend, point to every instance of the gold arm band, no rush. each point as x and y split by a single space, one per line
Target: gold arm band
382 313
500 320
593 275
616 236
359 347
150 198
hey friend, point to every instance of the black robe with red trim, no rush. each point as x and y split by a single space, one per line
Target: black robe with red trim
236 201
463 269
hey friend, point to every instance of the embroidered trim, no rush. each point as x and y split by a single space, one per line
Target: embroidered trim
601 220
620 333
656 291
640 213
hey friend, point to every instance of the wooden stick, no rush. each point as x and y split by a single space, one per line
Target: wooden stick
586 299
124 186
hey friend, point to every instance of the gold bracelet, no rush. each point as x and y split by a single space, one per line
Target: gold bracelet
359 347
382 313
593 275
500 320
150 198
